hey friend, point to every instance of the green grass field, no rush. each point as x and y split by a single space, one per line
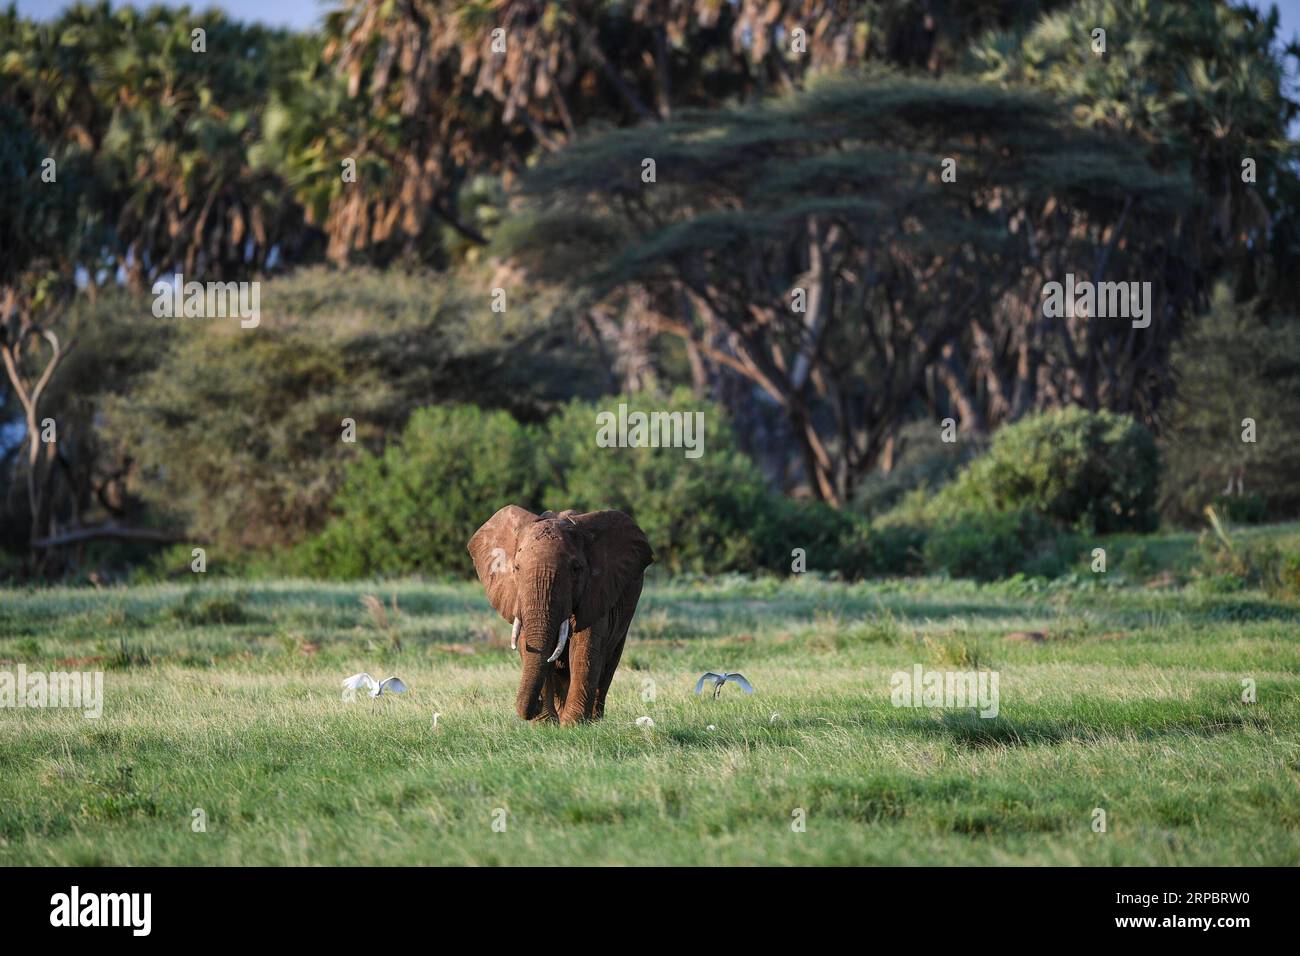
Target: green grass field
225 696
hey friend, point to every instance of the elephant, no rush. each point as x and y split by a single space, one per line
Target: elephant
569 583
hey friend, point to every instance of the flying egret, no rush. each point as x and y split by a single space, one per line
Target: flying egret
717 680
358 681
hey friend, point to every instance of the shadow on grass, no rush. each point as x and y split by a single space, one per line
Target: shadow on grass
968 729
850 609
1238 611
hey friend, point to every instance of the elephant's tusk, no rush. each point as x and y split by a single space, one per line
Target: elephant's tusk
564 639
514 633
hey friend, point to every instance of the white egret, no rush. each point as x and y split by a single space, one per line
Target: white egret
717 680
358 681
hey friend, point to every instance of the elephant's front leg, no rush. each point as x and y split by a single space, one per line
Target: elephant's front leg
556 689
585 664
617 623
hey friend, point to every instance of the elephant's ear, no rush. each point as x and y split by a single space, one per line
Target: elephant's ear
493 550
617 553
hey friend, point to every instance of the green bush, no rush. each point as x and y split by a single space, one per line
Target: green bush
923 460
1226 568
1095 472
1137 563
1228 565
413 508
235 434
832 540
700 514
1288 576
1013 510
888 548
1242 509
993 545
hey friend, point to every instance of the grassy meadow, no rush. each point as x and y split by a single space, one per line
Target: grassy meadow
224 696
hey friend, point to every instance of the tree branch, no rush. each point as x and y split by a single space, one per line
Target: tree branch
114 532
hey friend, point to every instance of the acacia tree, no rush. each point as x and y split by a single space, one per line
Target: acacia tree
171 131
29 376
1198 84
836 199
426 94
38 233
1237 374
1201 86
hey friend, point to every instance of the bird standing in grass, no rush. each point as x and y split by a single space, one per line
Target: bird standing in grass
717 680
357 681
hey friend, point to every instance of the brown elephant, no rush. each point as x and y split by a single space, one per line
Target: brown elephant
569 583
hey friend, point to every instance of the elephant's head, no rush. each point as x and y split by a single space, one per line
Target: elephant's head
550 575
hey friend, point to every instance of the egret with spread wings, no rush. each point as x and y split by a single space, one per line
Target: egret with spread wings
717 680
357 681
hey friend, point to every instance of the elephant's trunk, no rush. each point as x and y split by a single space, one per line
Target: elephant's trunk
545 615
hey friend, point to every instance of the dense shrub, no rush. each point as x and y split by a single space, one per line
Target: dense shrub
413 508
1288 576
922 461
993 545
1014 510
1232 565
699 513
1137 563
886 549
1224 568
1096 472
709 514
831 540
1242 509
235 434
